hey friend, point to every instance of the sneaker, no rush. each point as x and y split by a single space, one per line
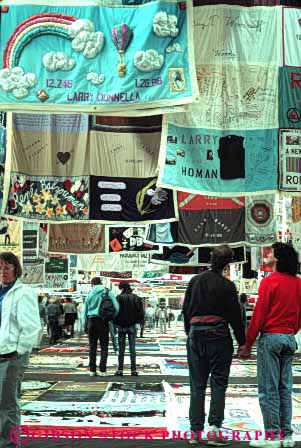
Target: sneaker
103 373
265 444
216 438
134 373
193 442
288 442
118 373
93 374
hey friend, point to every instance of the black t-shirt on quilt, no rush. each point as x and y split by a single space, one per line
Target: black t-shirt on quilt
232 157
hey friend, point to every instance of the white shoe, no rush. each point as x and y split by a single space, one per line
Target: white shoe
216 438
288 442
93 374
103 374
265 444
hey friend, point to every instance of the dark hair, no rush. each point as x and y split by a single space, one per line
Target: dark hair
220 257
96 281
125 286
68 299
40 298
243 298
287 258
10 258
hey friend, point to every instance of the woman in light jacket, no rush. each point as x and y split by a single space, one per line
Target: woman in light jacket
19 331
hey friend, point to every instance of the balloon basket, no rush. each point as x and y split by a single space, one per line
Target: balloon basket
121 70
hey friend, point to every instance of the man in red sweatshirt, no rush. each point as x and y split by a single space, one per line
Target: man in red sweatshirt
277 317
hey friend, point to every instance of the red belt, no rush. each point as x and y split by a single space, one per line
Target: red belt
205 319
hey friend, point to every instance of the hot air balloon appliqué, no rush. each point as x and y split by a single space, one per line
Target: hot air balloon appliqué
122 36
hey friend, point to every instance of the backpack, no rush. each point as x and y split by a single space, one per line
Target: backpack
106 309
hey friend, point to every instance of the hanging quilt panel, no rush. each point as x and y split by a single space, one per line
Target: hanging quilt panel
119 199
209 220
290 97
241 2
48 198
291 36
203 221
128 239
76 238
56 161
2 152
134 263
261 225
233 96
218 163
33 265
57 272
10 236
229 34
96 57
290 160
76 145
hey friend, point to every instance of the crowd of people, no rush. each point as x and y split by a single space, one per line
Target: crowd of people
211 304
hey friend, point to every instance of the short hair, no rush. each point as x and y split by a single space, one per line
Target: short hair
220 257
96 281
125 286
287 258
10 258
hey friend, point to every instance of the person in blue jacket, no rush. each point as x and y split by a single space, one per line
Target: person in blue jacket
98 327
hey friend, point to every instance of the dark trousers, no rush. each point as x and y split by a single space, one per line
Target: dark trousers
98 330
131 333
54 330
208 354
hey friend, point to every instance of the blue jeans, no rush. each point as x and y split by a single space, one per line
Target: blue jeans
275 380
131 333
113 335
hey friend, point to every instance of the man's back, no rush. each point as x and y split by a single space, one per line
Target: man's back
211 294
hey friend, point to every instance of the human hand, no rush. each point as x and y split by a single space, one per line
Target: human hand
243 352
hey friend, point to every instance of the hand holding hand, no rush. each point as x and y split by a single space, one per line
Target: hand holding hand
243 352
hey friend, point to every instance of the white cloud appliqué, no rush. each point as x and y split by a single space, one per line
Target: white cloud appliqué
54 61
165 25
175 47
95 78
18 82
85 39
149 60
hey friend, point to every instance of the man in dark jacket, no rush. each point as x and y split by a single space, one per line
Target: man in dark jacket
130 313
210 304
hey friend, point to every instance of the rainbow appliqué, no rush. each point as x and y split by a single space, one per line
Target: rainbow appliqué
35 26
